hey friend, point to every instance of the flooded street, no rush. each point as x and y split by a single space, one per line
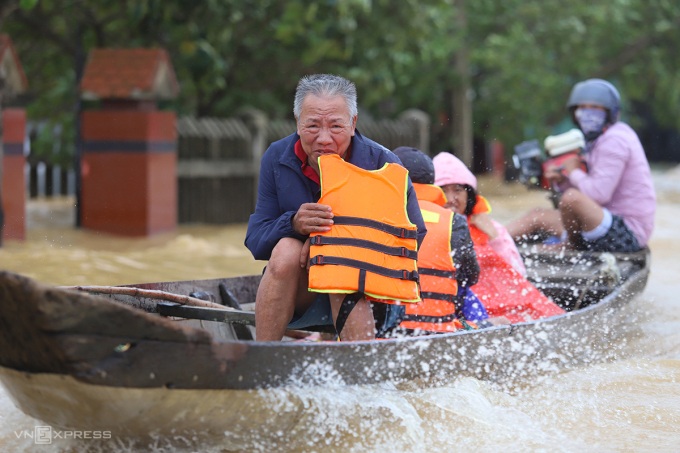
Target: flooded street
631 404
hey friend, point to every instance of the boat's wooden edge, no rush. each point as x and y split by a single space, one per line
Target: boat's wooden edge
52 330
39 322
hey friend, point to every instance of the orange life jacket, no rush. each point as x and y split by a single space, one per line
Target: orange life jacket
372 246
438 285
478 236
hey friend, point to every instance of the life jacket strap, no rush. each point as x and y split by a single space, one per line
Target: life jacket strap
384 227
401 274
439 296
436 272
348 304
431 319
363 243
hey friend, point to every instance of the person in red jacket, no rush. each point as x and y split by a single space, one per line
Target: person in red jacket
501 280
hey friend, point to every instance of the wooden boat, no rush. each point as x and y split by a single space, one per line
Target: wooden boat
155 356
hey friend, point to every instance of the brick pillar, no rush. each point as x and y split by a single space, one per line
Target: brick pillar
13 179
498 159
129 171
128 160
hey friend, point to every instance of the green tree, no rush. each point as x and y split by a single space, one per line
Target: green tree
514 60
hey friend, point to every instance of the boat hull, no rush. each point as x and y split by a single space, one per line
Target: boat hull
74 360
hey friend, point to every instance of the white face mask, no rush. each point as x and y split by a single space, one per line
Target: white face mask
591 121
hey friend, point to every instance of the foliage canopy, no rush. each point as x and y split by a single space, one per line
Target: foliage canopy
524 55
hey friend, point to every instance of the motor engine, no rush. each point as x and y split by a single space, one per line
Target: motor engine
533 163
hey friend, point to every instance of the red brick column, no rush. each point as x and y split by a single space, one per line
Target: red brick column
129 171
498 159
13 178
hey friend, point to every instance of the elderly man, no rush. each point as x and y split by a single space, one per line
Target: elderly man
288 211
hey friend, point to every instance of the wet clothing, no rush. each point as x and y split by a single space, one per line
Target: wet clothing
464 256
473 308
619 179
467 269
371 247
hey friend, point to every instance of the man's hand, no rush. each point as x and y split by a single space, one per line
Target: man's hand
571 164
555 174
313 218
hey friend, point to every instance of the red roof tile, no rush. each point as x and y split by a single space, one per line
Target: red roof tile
14 72
129 74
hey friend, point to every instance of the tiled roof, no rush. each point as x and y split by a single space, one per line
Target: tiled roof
129 74
11 66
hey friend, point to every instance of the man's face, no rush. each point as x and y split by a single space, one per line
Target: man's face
325 127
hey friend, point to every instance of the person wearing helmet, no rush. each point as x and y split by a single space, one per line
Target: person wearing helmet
611 206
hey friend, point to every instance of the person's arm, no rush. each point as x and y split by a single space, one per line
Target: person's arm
464 256
605 169
484 223
507 249
414 213
268 224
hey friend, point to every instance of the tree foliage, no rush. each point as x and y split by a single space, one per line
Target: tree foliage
524 54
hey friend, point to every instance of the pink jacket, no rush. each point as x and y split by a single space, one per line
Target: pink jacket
620 180
448 169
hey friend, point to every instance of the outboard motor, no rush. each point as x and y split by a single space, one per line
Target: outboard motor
528 159
563 146
532 162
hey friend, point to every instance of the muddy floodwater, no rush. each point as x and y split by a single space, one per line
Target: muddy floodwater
630 404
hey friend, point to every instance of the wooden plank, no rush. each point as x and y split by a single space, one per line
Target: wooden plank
206 314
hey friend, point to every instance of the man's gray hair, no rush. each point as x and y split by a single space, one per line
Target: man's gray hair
325 85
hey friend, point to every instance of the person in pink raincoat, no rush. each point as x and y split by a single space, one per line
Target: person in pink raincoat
460 187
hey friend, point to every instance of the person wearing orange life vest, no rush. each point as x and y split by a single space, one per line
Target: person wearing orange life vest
288 211
502 275
447 263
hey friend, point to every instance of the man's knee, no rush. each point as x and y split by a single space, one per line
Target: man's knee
285 259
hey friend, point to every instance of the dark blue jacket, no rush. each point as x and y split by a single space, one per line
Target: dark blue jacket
283 188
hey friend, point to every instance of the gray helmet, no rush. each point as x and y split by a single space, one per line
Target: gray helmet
599 92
